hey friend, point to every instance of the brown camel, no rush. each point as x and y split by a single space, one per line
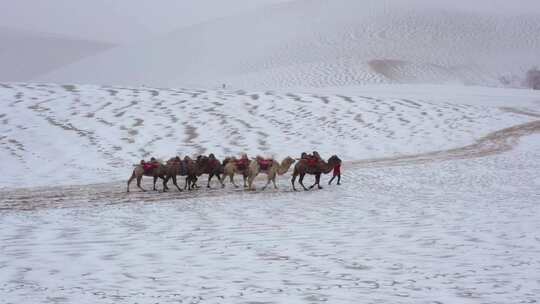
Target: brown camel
214 168
303 167
232 166
138 172
273 169
188 167
175 166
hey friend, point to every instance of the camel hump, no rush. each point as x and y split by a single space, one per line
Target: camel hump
241 164
265 164
312 161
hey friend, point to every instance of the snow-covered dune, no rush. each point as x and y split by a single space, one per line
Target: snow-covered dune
117 22
82 134
322 43
25 54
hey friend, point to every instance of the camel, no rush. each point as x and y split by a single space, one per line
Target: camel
138 173
175 166
274 169
232 166
302 168
214 168
188 167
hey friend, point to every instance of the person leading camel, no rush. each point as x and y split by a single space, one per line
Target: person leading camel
304 167
337 172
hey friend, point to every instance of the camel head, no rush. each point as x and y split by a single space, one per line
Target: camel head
334 160
288 161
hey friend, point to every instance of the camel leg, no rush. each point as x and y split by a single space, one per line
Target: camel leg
245 180
318 180
175 183
293 180
186 184
194 183
221 180
251 178
268 180
301 181
130 180
231 176
155 180
209 179
139 178
273 178
189 182
165 179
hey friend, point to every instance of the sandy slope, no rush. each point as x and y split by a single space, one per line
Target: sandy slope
330 43
26 54
82 134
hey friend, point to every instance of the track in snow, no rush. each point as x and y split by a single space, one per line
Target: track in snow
113 193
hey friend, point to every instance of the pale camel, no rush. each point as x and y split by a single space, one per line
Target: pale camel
138 173
232 166
302 168
274 169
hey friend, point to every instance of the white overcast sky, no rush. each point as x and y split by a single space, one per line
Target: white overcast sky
116 21
124 21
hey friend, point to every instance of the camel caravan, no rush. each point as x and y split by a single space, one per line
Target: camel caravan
249 169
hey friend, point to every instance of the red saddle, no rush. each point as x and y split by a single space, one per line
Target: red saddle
265 164
312 161
242 164
149 167
214 163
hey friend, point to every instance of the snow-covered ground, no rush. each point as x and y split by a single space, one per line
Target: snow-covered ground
459 231
439 202
52 134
